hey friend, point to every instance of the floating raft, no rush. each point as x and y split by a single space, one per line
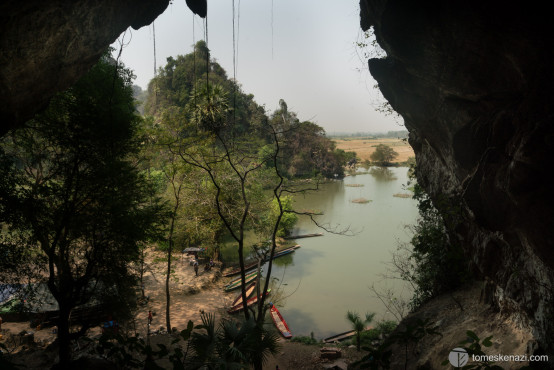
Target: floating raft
302 236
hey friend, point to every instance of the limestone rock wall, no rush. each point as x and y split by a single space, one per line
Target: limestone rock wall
45 46
474 82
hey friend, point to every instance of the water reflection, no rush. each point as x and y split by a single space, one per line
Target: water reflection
382 174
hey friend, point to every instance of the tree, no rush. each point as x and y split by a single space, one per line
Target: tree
288 219
78 200
358 325
383 155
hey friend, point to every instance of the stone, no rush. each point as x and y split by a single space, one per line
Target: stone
45 46
473 82
330 353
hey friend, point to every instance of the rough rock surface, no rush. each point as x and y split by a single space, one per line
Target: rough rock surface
45 46
473 82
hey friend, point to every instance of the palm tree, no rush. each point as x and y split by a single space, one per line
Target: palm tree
358 324
233 344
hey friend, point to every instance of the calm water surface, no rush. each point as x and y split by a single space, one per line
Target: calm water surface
331 274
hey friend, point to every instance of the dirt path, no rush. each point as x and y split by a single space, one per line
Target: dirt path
190 294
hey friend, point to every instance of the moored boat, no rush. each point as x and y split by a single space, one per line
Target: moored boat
302 236
339 337
237 282
249 302
342 336
249 291
237 270
280 322
285 251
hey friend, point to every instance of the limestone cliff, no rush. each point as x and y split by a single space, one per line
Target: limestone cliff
474 84
45 46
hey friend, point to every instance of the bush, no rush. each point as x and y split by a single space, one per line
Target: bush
382 329
438 261
305 339
386 326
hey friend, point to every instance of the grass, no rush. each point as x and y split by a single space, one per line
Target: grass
305 339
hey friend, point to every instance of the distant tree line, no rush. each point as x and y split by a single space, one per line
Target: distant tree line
400 134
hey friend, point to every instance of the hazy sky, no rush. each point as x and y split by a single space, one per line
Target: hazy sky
302 51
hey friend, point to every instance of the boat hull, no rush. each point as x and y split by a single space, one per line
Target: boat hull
249 291
237 283
249 303
280 322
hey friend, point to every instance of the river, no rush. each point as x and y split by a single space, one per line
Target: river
331 274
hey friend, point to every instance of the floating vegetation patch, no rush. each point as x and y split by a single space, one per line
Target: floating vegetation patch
402 195
354 185
361 200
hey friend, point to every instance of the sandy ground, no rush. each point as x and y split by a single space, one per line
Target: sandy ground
190 294
365 147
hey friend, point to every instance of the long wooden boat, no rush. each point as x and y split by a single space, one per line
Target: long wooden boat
249 291
279 322
237 282
250 302
302 236
342 336
237 270
285 251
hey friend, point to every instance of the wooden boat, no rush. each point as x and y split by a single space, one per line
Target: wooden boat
279 322
237 282
302 236
342 336
237 270
249 303
249 291
285 251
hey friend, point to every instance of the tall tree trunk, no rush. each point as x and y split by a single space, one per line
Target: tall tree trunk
169 252
142 272
63 336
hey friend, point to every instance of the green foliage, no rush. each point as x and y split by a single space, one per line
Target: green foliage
382 330
200 96
380 357
434 263
232 344
288 219
386 326
358 325
76 201
305 339
383 155
475 348
439 264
